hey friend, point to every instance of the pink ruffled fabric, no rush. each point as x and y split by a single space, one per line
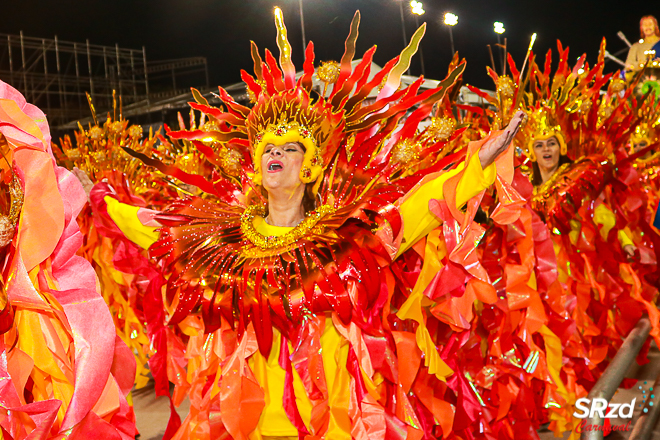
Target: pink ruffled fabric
44 276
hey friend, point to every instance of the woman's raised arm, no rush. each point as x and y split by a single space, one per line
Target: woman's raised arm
478 174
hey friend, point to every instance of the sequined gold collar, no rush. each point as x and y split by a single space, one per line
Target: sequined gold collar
543 188
269 243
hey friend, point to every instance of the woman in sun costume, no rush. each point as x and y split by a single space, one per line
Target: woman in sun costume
592 292
63 371
531 347
318 329
596 244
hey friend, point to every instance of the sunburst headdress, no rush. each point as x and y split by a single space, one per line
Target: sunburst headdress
288 109
543 125
566 104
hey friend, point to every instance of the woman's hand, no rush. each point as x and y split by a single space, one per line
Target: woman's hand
494 147
84 180
629 250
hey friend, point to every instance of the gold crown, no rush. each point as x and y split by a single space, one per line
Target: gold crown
542 125
291 117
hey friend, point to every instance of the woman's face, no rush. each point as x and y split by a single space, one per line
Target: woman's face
648 27
639 145
547 152
280 166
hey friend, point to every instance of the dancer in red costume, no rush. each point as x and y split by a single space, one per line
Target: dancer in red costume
299 279
573 140
593 286
63 371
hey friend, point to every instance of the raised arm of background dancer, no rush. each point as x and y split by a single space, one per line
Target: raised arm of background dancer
137 224
605 217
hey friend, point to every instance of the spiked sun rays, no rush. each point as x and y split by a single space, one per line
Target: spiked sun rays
342 119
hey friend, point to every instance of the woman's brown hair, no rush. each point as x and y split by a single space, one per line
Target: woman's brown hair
536 171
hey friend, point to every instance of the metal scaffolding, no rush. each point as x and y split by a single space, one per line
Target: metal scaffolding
54 75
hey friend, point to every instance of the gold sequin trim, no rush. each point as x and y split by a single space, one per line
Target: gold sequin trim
306 227
541 192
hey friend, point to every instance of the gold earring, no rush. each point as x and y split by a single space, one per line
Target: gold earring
306 174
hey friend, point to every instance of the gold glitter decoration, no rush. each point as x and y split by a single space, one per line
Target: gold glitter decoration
95 133
283 128
584 106
73 154
305 228
604 112
8 222
440 129
210 126
135 131
116 127
405 151
17 196
6 231
505 87
328 72
230 161
187 163
617 85
99 156
642 133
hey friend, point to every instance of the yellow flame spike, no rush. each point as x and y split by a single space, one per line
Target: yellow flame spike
529 51
114 105
91 108
394 77
284 46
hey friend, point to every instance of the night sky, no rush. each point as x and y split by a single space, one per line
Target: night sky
221 29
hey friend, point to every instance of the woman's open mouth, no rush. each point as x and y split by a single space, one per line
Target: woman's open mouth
547 157
275 166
